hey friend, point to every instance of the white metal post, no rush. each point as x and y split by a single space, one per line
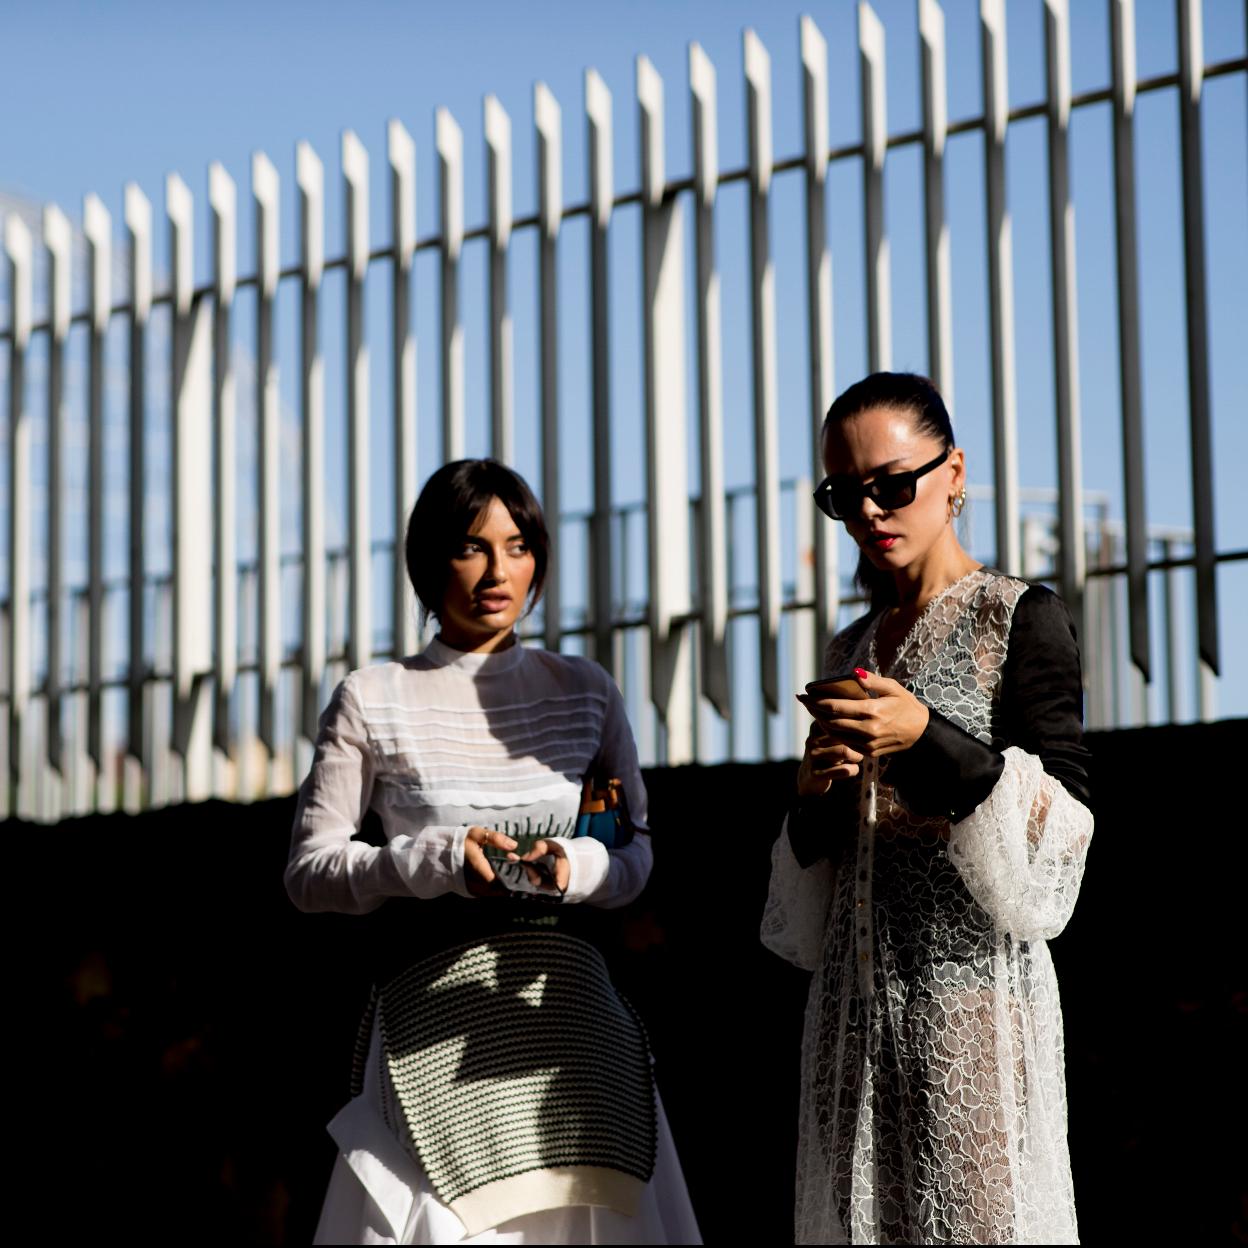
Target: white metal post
823 536
310 175
402 154
667 478
190 405
449 140
223 197
355 185
1122 24
548 119
713 550
598 112
1000 289
498 177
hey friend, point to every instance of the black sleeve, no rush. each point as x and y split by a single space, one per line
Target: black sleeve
1042 690
817 825
948 772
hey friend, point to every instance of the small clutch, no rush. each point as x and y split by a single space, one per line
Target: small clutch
604 813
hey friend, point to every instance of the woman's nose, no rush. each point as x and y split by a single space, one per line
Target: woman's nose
869 509
496 568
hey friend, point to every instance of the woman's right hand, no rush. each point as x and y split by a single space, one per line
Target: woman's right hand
478 874
824 762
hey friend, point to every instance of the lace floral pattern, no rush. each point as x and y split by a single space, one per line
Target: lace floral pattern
933 1098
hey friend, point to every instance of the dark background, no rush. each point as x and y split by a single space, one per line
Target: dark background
201 1028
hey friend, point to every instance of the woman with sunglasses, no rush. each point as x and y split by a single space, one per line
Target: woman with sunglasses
935 842
503 1089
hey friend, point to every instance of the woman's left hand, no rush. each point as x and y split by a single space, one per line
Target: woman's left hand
892 719
562 867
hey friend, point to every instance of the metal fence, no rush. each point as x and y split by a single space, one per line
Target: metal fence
198 671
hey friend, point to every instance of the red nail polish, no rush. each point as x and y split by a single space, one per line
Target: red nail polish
861 673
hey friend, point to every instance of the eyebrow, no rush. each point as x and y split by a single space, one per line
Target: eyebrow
476 537
871 472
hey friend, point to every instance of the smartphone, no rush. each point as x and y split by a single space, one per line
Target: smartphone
845 685
512 876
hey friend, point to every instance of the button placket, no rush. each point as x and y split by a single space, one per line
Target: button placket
863 935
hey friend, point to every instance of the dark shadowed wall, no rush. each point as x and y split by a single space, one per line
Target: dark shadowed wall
201 1028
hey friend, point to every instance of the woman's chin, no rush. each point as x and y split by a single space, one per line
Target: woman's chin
886 559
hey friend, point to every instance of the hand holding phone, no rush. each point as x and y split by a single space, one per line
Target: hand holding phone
845 685
895 720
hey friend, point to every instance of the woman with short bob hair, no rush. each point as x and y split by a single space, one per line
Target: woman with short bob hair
448 507
936 840
505 1092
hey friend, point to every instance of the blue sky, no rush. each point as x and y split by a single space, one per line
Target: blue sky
110 93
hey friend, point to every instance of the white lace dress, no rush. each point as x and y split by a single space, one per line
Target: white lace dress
933 1094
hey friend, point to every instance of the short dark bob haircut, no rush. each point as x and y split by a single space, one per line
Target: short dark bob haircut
445 513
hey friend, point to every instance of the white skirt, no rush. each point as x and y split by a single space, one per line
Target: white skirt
379 1194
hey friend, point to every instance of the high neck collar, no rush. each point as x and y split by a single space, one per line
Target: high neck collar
476 664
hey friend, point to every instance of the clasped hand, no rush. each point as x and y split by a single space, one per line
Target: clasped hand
481 878
848 730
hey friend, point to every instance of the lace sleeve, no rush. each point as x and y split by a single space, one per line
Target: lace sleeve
797 905
1021 852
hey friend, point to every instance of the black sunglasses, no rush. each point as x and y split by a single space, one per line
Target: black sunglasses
841 497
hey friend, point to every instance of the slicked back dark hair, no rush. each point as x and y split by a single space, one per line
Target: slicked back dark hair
899 392
445 513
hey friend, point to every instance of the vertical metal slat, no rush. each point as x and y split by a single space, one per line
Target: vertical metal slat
1072 553
757 66
1122 25
935 127
1170 621
223 197
192 486
1191 81
402 154
138 212
58 238
1000 290
450 145
265 187
498 160
802 623
310 175
713 554
823 535
548 119
874 142
667 477
19 250
598 111
355 186
97 225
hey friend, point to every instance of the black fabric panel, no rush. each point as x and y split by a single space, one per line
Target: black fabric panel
1042 690
817 825
948 772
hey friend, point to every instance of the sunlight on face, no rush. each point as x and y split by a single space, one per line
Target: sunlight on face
883 440
487 583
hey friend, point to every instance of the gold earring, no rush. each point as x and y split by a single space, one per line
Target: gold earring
957 502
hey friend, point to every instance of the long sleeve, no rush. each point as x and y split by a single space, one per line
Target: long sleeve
603 877
817 825
798 897
327 870
1021 853
949 772
1020 820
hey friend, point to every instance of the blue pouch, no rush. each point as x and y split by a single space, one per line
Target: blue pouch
603 814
